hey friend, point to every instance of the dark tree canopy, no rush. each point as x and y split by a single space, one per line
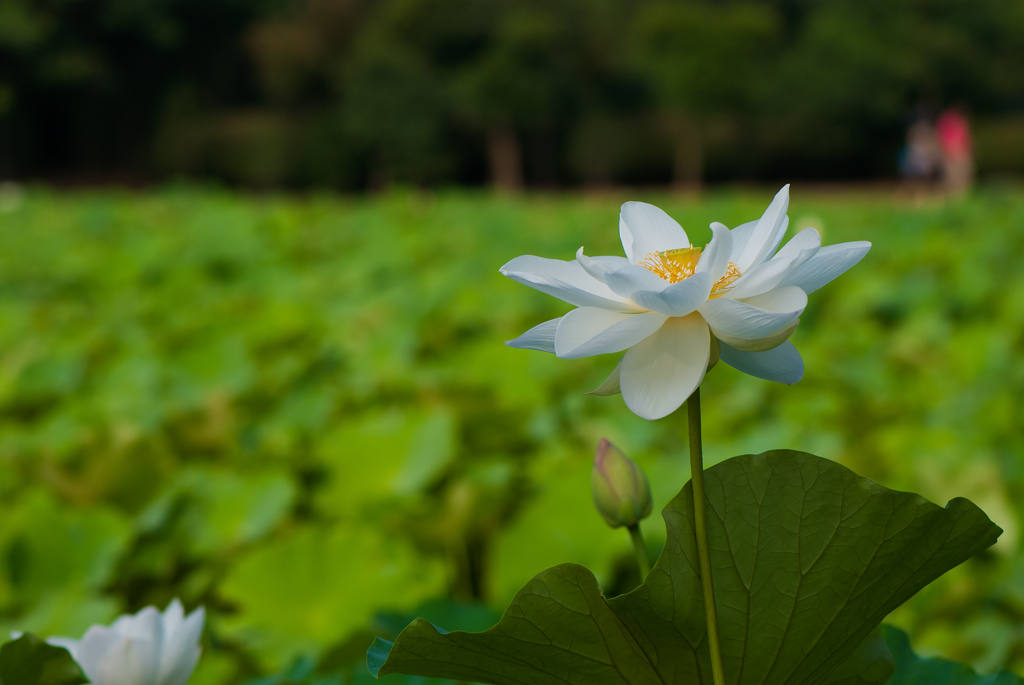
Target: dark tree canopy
352 94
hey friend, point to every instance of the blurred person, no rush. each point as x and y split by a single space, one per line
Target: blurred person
953 132
921 157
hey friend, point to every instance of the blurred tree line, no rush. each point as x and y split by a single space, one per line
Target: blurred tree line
365 93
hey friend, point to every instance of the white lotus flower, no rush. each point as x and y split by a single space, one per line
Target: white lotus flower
147 648
672 305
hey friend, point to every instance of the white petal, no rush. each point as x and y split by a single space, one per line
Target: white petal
649 229
778 238
129 661
565 280
124 624
759 344
659 373
807 239
148 624
787 299
181 670
93 647
181 651
755 317
828 263
767 275
740 237
611 384
587 331
678 299
627 239
541 337
597 267
631 278
715 258
766 233
781 364
173 617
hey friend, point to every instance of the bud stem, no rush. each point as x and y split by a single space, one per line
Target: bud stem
701 527
642 560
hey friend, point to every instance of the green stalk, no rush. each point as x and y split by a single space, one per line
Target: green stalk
701 526
642 560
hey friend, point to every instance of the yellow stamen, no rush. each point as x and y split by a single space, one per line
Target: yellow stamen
672 265
676 265
724 284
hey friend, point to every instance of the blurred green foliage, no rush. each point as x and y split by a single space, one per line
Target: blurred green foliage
911 669
368 93
299 412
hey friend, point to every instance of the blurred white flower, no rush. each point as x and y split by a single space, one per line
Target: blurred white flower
147 648
672 306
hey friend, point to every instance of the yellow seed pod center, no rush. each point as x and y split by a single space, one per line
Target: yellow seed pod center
672 265
676 265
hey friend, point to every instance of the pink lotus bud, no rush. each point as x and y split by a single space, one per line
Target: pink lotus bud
622 494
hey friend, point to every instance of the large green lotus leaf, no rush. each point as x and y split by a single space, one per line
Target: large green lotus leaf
870 663
218 510
31 661
51 548
384 455
808 559
913 670
558 629
67 611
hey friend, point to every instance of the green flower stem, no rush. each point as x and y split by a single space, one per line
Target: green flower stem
642 559
701 525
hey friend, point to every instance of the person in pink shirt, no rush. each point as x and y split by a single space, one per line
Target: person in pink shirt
953 132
